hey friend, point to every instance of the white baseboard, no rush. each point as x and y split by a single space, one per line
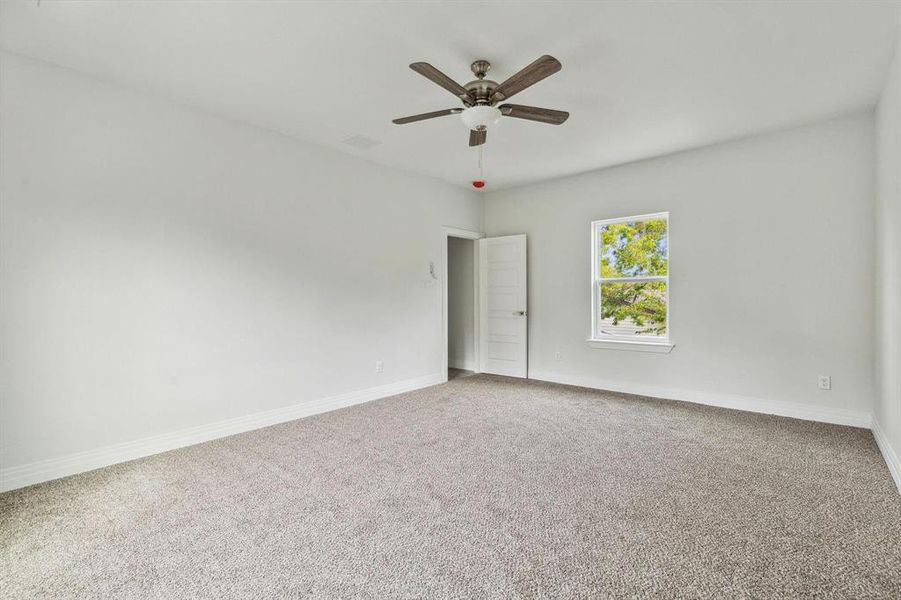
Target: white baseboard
807 412
53 468
888 453
461 363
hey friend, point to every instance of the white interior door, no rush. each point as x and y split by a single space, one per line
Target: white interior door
503 316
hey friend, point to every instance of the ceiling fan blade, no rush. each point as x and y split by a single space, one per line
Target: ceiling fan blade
430 72
532 74
477 138
533 113
428 115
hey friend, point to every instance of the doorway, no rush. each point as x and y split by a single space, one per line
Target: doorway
461 303
484 312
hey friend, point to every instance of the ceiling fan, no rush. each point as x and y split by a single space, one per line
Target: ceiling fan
480 97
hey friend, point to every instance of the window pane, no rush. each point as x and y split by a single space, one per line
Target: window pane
633 309
633 248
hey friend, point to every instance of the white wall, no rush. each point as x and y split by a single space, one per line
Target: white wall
460 304
162 268
888 269
771 271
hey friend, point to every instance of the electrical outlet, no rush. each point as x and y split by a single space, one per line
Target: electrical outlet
558 355
379 366
824 382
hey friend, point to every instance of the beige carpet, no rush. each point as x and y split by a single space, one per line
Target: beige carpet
483 487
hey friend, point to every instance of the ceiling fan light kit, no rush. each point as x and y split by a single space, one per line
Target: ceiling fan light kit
480 117
481 96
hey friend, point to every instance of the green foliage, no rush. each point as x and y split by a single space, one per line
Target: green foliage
635 249
644 303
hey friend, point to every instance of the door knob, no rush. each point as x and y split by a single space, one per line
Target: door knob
521 313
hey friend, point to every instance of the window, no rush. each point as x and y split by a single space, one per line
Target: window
630 280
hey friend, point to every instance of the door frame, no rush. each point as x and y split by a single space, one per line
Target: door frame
472 236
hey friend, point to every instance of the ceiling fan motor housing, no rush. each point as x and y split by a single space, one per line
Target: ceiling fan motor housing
481 88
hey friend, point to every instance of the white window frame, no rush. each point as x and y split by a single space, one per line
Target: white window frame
612 342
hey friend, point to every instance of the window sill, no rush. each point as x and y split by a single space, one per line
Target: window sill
659 347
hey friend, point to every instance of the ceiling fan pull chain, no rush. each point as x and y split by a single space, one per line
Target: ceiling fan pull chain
481 172
480 182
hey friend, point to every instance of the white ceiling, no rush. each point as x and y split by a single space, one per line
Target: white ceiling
639 78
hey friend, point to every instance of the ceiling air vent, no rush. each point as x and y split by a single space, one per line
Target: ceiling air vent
361 141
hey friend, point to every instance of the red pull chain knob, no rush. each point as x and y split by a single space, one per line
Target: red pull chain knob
478 183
